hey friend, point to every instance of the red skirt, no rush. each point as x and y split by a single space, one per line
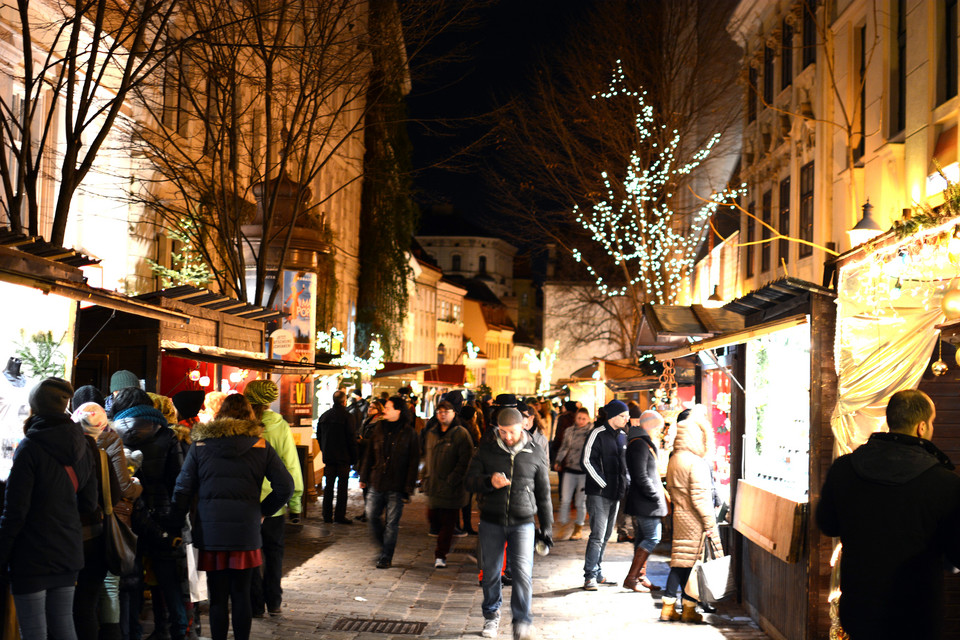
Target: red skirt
221 560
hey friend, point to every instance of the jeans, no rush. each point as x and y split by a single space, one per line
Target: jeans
571 490
519 539
444 521
646 532
265 589
232 585
603 516
383 514
46 611
335 473
676 582
110 600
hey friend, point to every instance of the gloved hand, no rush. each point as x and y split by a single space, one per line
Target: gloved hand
545 536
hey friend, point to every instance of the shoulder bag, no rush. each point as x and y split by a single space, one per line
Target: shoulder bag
119 540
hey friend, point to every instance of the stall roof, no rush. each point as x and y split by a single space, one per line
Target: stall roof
50 275
447 375
623 378
243 359
215 302
39 247
773 294
735 337
666 326
400 368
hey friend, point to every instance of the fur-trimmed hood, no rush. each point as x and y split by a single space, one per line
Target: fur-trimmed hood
224 428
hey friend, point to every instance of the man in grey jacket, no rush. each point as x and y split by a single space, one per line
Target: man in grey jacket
509 474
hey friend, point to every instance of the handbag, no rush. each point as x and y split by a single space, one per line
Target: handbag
119 541
711 579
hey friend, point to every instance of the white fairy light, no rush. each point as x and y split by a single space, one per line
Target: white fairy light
637 228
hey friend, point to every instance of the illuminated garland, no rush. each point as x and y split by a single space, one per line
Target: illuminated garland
644 236
366 366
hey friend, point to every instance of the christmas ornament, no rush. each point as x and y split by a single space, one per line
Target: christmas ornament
950 304
939 367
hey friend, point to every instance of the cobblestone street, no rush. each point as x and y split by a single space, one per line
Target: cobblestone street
330 575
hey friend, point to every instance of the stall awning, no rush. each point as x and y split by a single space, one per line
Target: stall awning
243 359
214 301
735 337
50 276
392 369
665 326
773 294
624 378
446 375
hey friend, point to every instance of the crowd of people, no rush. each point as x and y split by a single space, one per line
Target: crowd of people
205 498
207 483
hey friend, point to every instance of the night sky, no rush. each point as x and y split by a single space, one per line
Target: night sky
454 106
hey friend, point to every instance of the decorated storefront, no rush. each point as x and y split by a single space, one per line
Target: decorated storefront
781 375
898 324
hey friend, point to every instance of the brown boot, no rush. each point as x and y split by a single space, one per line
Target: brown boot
632 581
669 611
690 613
644 580
563 532
577 532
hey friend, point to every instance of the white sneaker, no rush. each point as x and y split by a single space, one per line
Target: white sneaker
439 563
490 628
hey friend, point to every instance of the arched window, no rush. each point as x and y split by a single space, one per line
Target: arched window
482 268
456 262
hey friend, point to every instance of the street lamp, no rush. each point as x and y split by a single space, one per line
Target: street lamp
866 229
714 301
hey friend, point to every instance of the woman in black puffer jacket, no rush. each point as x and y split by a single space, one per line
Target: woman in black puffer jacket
52 482
224 469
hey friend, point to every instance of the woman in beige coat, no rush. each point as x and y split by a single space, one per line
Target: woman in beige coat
690 490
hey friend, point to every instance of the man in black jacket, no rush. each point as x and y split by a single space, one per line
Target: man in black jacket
645 499
337 434
606 471
509 474
895 505
390 469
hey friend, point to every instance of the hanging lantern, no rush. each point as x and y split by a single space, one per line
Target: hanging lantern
194 375
950 304
205 381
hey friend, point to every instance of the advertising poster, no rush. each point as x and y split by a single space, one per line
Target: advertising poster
297 335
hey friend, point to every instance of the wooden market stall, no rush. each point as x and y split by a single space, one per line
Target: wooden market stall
781 445
209 338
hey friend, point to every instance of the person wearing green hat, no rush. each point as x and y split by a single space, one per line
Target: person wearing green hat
266 590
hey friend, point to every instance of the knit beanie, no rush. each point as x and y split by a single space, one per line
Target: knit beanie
50 396
86 393
91 417
122 379
615 408
634 411
164 405
126 398
263 392
188 403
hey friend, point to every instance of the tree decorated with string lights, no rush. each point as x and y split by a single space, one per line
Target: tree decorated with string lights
650 241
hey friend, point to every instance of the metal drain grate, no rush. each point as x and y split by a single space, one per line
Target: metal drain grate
395 627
